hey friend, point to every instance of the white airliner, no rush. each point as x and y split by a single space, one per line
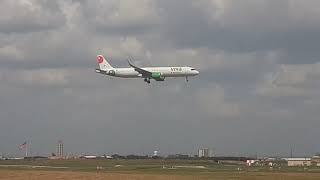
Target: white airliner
148 73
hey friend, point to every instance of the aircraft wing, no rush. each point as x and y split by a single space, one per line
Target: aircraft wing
140 70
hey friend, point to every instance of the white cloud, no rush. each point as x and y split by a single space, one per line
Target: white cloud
11 52
123 47
292 80
235 45
123 13
73 13
292 75
133 11
212 101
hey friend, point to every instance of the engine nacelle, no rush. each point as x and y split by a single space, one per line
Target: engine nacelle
111 72
158 76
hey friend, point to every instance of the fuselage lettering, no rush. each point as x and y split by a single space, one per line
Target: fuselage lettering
175 69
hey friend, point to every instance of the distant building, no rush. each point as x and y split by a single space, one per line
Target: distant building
251 162
155 153
15 158
204 153
105 156
316 160
108 157
178 156
53 157
299 161
60 149
89 157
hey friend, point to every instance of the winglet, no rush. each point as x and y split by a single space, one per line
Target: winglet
130 63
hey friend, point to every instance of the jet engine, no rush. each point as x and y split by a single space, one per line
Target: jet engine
158 76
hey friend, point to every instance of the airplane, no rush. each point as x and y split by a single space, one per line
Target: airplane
148 73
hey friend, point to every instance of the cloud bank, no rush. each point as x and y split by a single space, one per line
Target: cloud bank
257 92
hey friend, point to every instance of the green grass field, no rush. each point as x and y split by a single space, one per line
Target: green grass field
145 166
147 169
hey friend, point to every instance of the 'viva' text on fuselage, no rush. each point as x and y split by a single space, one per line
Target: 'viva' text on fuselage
176 69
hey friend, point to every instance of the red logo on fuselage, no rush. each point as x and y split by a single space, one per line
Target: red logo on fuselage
100 59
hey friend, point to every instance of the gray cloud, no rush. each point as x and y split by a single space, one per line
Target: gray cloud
257 91
30 16
248 26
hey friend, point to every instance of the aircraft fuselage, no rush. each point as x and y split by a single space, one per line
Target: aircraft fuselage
165 72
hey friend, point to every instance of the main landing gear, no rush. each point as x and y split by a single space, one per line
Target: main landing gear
147 80
187 79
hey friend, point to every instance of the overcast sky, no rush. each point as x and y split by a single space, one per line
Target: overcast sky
257 92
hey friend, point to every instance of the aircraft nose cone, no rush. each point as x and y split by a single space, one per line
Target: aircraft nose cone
196 72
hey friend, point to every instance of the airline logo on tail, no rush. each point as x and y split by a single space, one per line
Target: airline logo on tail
100 59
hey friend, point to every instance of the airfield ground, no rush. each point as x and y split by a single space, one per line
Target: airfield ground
51 175
146 169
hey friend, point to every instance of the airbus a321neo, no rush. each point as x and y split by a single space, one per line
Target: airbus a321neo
147 73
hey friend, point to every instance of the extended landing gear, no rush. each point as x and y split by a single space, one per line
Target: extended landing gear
147 80
187 79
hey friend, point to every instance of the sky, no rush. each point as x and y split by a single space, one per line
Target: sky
257 92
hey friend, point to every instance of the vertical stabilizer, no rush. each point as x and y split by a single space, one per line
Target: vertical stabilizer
103 64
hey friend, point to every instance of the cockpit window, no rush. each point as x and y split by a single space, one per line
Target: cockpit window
193 69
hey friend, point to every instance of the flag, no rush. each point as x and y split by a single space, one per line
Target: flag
24 145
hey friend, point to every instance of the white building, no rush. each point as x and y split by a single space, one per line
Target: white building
89 157
155 153
299 161
205 153
60 149
250 162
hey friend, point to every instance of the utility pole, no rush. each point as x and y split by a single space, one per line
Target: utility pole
26 149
